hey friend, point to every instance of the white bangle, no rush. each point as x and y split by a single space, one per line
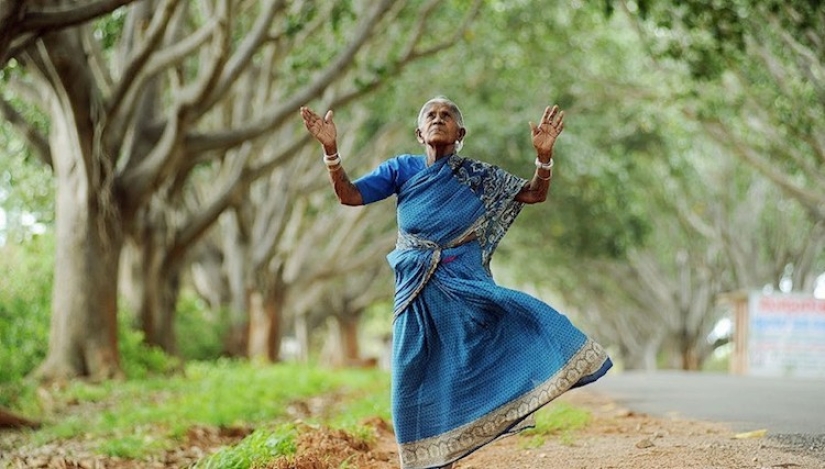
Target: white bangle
541 165
332 160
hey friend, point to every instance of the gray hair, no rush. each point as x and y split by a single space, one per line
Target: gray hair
459 118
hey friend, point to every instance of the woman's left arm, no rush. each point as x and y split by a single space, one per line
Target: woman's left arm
544 137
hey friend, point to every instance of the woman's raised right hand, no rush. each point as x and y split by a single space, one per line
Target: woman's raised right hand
323 129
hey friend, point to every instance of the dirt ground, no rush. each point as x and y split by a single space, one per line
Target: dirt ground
615 439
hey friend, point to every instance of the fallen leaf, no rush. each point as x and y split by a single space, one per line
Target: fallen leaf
752 434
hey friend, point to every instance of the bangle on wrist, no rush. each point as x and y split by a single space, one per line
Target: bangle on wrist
547 178
541 165
332 160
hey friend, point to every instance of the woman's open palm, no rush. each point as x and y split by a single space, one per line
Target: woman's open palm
323 129
549 128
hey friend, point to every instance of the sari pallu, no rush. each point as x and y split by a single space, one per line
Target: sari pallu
471 360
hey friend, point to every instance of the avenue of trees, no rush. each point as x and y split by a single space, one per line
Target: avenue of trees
692 163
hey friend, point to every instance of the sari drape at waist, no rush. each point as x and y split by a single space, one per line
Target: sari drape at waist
415 260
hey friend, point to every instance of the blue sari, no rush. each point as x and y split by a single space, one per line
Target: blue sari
472 361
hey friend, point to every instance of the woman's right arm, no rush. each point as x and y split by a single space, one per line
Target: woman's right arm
344 189
323 129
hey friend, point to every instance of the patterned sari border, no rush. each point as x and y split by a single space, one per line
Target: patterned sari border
450 446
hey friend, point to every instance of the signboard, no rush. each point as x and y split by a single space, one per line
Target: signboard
786 335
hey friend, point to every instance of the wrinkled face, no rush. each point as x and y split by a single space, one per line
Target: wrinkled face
439 125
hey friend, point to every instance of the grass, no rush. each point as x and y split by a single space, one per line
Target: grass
256 450
556 419
267 444
137 418
131 419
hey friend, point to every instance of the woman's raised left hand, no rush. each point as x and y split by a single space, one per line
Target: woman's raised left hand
546 132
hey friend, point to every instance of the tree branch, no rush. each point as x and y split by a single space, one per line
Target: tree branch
62 17
20 24
201 143
154 34
167 155
158 62
242 56
814 201
204 217
37 141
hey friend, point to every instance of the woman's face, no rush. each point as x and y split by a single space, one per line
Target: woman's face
438 126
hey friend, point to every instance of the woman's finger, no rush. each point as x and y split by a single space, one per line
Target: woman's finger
546 116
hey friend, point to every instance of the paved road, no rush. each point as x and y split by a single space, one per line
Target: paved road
782 406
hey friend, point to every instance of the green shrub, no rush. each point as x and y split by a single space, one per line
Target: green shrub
26 271
200 332
138 359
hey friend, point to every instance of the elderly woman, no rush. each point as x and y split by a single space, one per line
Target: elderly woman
472 361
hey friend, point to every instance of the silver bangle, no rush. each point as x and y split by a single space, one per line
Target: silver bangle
541 165
332 160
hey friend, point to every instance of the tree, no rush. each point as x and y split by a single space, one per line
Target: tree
136 107
758 86
23 22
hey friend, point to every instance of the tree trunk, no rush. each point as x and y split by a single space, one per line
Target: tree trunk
689 353
265 325
274 308
258 327
302 334
349 338
88 225
157 307
236 248
83 340
152 286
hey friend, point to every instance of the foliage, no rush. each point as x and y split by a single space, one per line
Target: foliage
26 191
516 60
711 36
25 310
202 331
754 82
140 360
26 270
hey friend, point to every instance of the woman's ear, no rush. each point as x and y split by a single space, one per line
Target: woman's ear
418 136
462 132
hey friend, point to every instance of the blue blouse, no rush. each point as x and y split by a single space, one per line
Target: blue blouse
388 177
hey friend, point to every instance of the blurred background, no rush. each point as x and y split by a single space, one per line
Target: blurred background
161 202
